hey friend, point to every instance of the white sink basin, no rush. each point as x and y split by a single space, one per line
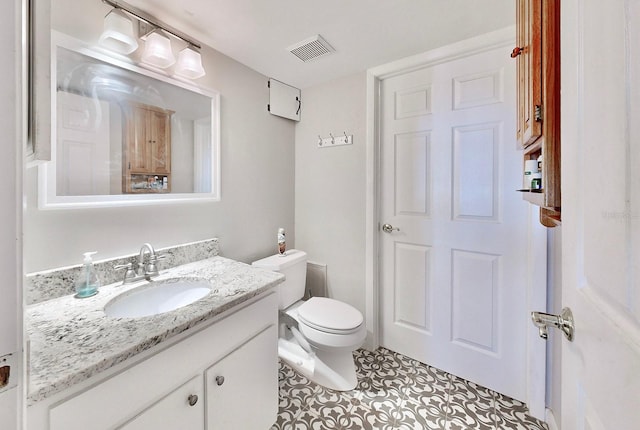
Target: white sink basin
157 298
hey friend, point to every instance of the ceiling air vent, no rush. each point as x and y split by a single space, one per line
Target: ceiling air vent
311 48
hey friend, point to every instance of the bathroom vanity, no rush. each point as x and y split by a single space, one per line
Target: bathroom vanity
208 365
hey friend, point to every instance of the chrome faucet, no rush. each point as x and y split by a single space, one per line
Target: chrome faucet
150 268
142 268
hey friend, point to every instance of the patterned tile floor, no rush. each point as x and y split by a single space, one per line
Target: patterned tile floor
396 392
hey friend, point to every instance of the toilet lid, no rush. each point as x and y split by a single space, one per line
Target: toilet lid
329 315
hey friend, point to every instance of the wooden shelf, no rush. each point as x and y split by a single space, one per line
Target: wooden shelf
534 197
550 218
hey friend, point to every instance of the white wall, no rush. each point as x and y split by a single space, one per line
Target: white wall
10 209
181 154
257 188
330 185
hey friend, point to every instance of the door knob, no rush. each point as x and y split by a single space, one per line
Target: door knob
516 51
192 399
564 322
219 380
388 228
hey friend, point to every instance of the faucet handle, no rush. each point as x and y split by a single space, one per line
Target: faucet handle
151 269
123 266
130 274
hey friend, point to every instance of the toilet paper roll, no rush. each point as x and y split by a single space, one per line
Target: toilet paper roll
531 166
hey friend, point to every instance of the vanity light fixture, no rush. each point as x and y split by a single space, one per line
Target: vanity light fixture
189 64
157 50
118 34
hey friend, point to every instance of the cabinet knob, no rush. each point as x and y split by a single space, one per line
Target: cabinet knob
516 51
219 380
192 399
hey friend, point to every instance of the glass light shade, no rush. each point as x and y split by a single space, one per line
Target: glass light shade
157 51
118 34
189 64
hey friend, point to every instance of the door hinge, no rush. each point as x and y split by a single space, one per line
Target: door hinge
269 108
537 113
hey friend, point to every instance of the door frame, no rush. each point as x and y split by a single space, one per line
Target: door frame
13 121
536 297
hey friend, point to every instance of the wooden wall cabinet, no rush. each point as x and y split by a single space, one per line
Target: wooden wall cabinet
146 150
538 68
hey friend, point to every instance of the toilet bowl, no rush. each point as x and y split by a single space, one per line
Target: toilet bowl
318 336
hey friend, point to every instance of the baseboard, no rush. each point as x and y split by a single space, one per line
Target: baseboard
369 343
550 419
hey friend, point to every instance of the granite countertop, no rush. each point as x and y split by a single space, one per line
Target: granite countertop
72 339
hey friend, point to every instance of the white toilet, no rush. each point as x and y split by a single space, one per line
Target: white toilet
327 331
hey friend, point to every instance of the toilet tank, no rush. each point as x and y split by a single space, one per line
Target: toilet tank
293 264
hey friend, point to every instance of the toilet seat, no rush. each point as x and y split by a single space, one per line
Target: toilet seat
330 316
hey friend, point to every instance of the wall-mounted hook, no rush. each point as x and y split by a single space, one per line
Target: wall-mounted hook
319 140
333 139
346 138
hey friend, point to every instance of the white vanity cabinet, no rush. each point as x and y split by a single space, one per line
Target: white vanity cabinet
156 389
236 393
183 408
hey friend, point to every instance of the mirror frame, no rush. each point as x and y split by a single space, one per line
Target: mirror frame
47 197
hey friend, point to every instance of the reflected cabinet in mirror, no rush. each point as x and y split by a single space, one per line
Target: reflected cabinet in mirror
124 135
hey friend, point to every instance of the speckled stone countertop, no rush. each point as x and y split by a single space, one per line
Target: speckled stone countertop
72 339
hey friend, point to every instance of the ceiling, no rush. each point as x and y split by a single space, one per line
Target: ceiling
364 33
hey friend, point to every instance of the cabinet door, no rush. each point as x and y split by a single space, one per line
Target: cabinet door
138 149
160 136
529 60
180 409
242 388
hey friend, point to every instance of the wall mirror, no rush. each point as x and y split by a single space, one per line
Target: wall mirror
124 135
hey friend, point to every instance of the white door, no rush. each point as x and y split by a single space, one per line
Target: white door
601 213
453 278
82 147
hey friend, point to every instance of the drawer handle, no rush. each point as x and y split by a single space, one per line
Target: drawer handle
192 399
219 380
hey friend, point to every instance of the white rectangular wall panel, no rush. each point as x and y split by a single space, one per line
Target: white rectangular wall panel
475 282
284 100
412 285
476 172
412 173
